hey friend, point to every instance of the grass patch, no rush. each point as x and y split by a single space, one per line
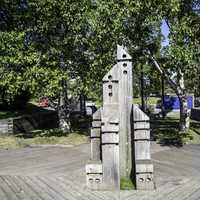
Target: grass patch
150 100
14 142
79 135
167 133
126 184
190 136
171 136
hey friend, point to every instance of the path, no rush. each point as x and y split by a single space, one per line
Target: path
57 173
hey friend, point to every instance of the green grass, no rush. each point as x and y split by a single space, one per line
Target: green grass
79 133
166 131
194 131
126 184
150 100
14 142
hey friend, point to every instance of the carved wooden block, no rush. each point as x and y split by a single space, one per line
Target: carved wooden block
95 149
94 181
111 178
141 135
94 177
144 175
110 138
94 167
96 124
142 150
109 128
95 132
95 136
144 166
141 124
144 181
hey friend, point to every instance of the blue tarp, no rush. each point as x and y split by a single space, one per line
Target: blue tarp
172 102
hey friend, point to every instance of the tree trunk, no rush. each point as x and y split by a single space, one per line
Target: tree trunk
163 96
179 88
63 114
184 123
83 104
63 105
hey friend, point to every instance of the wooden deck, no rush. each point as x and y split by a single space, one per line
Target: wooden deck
57 173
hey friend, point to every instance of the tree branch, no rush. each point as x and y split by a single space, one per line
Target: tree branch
167 22
163 72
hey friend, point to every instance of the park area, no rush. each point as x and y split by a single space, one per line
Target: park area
99 100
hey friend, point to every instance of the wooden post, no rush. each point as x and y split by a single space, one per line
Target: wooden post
110 130
125 107
143 165
95 136
94 170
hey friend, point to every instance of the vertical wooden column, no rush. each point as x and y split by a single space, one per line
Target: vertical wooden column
94 171
125 109
110 130
95 136
143 164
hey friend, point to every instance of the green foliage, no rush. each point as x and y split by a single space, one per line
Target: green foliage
183 51
22 69
35 36
14 59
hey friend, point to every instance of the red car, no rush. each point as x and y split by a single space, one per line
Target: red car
44 102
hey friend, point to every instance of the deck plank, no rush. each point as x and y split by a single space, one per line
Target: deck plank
54 173
7 190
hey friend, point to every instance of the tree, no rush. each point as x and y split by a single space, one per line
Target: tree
181 59
52 40
63 25
129 23
75 40
136 25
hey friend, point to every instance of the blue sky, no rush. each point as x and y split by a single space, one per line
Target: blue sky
165 32
165 29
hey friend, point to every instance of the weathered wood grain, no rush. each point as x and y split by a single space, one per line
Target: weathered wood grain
125 109
109 130
177 175
144 167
